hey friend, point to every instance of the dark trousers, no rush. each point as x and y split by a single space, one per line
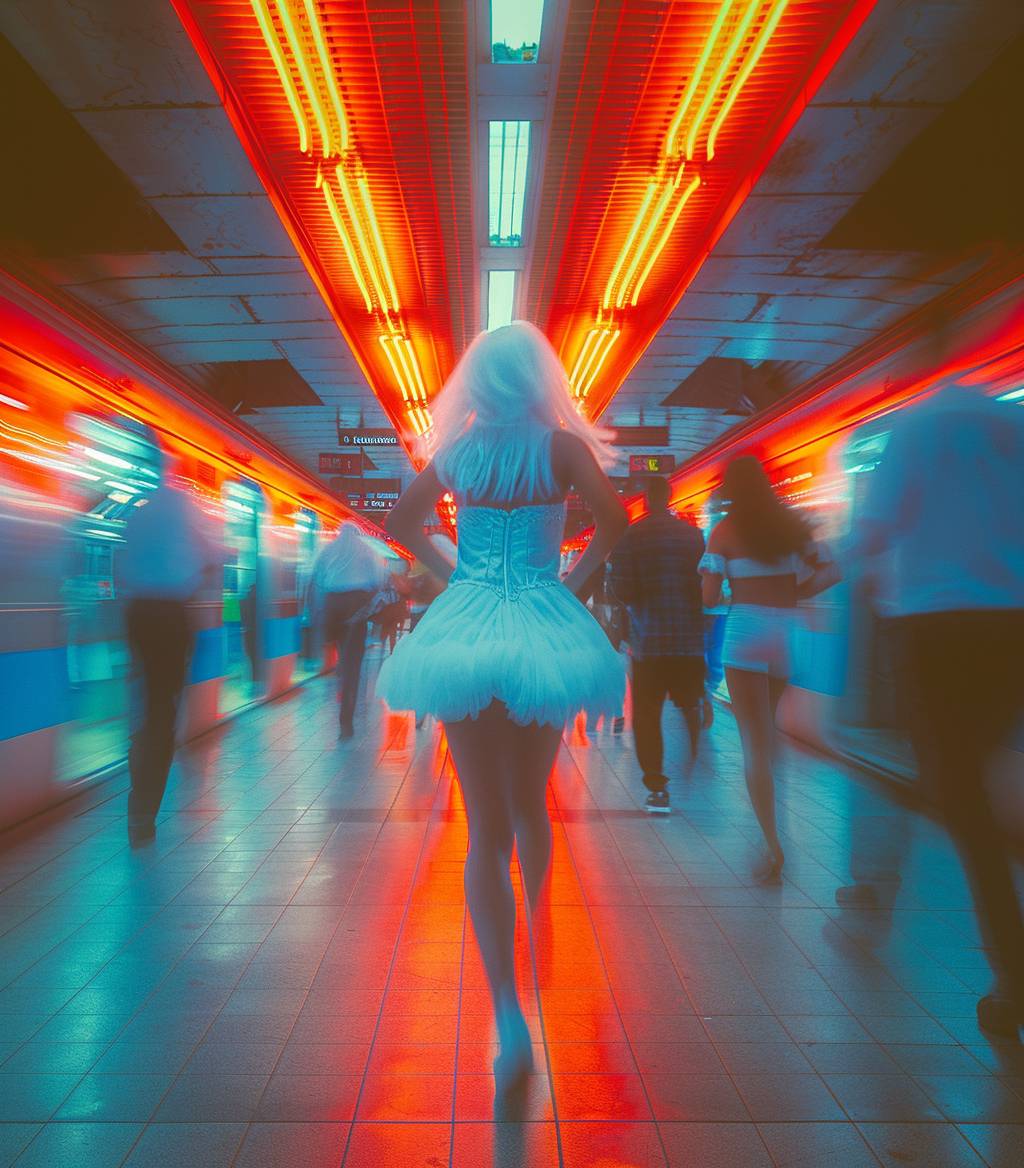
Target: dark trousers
350 637
159 641
965 688
654 680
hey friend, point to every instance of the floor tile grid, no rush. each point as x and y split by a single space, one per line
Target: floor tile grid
438 801
580 879
197 1041
862 1126
739 958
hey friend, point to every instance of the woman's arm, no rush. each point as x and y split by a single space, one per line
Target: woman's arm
405 521
824 572
711 582
575 467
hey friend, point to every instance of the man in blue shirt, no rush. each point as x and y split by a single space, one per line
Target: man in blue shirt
946 503
654 573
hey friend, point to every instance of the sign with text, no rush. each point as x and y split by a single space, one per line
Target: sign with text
345 463
640 435
649 464
353 439
368 494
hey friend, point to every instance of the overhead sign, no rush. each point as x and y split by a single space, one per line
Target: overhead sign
368 494
641 436
345 463
368 438
652 463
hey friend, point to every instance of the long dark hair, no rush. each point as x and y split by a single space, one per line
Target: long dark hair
765 527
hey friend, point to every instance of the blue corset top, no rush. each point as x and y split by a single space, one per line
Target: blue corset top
509 551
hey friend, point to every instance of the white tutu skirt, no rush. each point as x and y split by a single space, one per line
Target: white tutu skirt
542 654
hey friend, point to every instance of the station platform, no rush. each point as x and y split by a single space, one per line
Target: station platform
289 977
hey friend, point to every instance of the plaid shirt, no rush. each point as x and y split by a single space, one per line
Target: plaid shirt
654 573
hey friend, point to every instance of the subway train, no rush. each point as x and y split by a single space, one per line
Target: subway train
78 418
820 448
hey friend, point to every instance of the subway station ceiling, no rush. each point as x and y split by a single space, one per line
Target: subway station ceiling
308 207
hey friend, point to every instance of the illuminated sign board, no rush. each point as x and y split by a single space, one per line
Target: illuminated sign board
368 438
640 436
651 464
368 494
344 463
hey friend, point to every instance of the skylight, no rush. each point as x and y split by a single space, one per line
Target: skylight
501 292
515 30
509 155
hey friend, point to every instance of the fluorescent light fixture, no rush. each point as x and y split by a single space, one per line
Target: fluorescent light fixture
12 402
509 156
515 30
1013 395
501 293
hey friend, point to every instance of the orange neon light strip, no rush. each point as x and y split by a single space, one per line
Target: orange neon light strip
733 48
610 339
697 76
346 242
665 235
634 231
746 69
294 43
327 69
266 23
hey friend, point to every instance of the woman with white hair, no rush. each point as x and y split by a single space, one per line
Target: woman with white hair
507 654
348 574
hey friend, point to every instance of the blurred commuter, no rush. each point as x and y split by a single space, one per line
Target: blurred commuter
610 614
348 574
765 550
654 573
167 557
507 654
946 499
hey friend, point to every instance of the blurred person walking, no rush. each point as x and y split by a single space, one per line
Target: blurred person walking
766 552
348 574
167 556
507 654
946 500
654 573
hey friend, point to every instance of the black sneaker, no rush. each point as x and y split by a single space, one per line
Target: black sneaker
657 803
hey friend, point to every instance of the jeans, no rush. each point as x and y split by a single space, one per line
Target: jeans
654 680
159 641
965 687
350 637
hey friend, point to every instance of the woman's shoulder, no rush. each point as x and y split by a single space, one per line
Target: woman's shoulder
720 540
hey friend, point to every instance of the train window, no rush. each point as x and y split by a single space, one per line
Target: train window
243 599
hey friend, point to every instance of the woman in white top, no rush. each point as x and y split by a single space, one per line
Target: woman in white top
507 654
764 549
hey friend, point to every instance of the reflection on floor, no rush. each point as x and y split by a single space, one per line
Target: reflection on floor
288 976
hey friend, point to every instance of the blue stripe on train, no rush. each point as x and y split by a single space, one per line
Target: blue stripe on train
209 656
280 636
34 690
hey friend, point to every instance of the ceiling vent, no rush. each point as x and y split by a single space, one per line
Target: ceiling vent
734 386
62 195
247 386
958 185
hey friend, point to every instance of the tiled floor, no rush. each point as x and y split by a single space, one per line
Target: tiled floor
288 977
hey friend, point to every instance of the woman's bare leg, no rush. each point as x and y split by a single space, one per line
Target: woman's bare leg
753 701
499 765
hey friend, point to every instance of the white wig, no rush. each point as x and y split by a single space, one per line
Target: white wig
493 418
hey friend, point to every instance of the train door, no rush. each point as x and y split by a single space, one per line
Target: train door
243 600
307 529
118 466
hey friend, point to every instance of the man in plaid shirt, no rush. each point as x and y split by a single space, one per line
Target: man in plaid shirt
654 573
